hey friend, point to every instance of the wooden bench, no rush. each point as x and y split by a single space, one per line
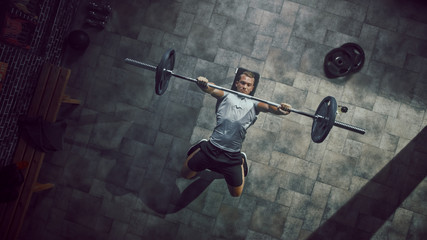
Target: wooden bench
46 101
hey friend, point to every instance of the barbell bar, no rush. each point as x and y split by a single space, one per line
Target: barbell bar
321 121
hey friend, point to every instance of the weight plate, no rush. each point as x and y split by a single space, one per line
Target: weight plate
324 119
162 74
358 55
338 62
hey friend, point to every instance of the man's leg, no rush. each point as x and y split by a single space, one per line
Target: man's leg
237 191
186 172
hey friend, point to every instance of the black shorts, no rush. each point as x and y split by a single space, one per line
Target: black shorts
228 164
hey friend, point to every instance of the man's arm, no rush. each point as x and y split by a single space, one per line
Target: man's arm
202 82
282 110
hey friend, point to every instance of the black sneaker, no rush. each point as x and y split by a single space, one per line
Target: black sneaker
195 146
245 164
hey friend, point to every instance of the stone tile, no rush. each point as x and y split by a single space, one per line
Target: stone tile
288 94
261 47
308 25
260 179
182 28
231 222
343 25
368 36
312 55
204 13
269 218
383 15
252 64
137 222
214 72
294 165
336 200
151 35
202 42
258 145
178 43
218 22
391 48
280 66
273 6
179 121
254 15
163 15
85 208
227 58
336 170
122 23
268 23
292 228
346 9
374 124
410 114
281 36
202 222
389 142
415 63
352 148
392 87
299 206
251 235
158 228
116 210
417 227
231 36
371 161
414 202
315 152
361 90
297 183
118 230
212 203
272 122
401 128
130 48
186 232
80 170
284 197
285 142
306 82
335 139
386 106
99 189
236 9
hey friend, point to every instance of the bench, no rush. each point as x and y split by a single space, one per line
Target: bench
46 101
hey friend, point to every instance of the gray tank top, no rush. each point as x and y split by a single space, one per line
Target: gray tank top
234 116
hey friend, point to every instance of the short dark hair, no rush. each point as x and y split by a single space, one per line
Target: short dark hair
249 74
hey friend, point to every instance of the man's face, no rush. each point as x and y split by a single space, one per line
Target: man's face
245 84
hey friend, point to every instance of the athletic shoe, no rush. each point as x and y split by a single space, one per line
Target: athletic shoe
245 164
195 146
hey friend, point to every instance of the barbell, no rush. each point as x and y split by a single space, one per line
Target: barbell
323 118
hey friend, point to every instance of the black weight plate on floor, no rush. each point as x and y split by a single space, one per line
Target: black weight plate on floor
358 55
326 111
338 62
162 75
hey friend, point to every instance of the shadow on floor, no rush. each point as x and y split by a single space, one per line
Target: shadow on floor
166 198
362 216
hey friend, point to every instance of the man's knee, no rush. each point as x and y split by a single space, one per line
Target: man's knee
235 191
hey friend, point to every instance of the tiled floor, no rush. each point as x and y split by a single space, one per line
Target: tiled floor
118 177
